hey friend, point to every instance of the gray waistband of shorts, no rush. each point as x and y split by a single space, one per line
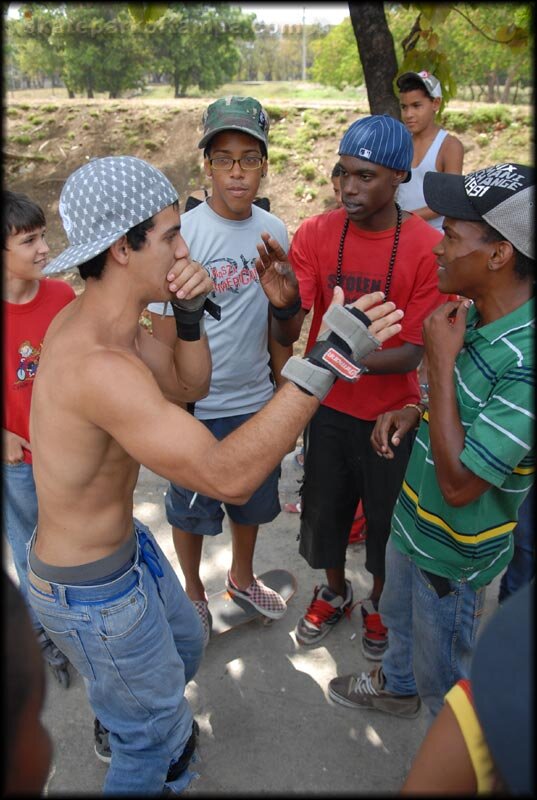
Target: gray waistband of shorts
94 570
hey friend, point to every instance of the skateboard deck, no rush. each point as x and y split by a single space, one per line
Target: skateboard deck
228 612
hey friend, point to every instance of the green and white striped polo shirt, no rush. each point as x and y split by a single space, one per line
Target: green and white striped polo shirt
494 378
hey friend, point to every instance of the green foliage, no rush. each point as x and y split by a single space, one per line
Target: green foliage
149 144
483 44
481 119
12 111
278 159
336 61
49 108
22 138
35 120
276 113
300 190
196 44
100 48
308 170
280 139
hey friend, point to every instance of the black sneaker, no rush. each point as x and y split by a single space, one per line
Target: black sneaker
102 745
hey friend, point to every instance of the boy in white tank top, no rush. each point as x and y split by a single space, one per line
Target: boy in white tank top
435 150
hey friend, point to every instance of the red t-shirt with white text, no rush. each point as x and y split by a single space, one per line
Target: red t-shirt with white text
25 328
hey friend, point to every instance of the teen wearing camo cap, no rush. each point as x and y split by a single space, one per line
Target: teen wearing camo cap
223 233
473 460
368 243
420 95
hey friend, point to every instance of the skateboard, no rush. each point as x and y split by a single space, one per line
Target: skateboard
229 612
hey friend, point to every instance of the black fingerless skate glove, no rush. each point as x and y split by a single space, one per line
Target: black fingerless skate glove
189 316
336 353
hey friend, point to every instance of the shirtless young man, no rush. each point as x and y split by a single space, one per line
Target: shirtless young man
105 401
435 150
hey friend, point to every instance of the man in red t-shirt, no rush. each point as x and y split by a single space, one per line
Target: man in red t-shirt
30 303
367 245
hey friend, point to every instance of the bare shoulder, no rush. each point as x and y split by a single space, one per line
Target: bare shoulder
451 155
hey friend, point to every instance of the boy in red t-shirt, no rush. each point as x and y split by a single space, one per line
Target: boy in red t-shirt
369 244
30 302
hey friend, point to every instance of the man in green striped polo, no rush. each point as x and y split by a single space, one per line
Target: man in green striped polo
472 462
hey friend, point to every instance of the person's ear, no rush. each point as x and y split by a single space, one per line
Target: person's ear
436 103
264 169
120 250
399 176
207 167
502 253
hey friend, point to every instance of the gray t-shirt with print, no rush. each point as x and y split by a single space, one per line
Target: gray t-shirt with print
240 382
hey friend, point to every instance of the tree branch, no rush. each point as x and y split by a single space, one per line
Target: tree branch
490 39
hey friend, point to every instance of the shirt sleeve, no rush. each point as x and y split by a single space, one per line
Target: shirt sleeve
501 436
460 700
303 259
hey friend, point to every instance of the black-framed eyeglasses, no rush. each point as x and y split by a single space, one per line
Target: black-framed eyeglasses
246 162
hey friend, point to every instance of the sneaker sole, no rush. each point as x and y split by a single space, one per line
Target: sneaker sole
318 638
262 611
104 759
344 702
373 656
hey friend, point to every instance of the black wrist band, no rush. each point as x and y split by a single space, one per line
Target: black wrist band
189 324
288 312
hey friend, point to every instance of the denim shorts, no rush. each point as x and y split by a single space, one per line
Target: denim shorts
196 513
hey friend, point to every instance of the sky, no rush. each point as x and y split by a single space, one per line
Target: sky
292 13
280 13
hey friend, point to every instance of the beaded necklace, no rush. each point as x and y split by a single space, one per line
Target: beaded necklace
392 257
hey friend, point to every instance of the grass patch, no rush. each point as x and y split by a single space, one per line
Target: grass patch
280 139
25 106
150 145
86 126
12 112
94 114
479 119
278 159
308 170
71 135
299 190
35 120
49 108
22 138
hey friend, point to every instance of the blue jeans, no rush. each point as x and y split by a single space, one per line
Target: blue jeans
19 518
521 568
137 641
430 639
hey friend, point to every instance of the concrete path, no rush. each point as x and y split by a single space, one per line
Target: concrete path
266 723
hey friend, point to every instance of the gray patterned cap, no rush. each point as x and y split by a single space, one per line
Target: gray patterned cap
104 199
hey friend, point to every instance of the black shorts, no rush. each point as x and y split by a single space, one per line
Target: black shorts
340 469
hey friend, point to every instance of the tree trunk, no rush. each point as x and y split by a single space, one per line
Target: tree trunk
377 54
491 84
515 95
